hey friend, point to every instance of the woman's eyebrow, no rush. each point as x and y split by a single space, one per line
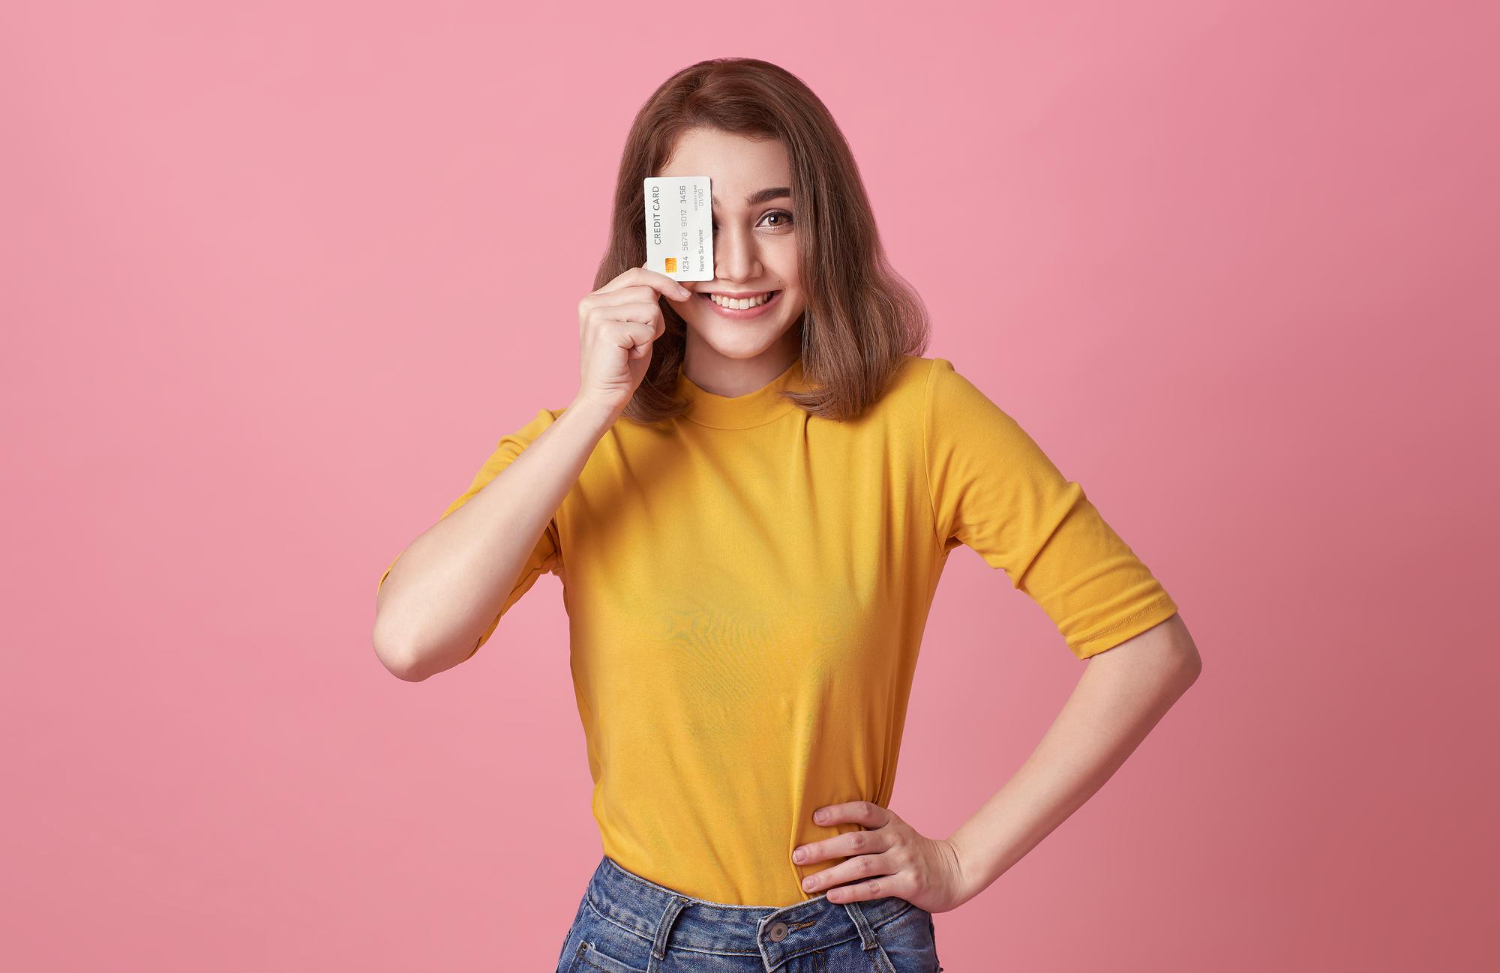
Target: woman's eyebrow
764 196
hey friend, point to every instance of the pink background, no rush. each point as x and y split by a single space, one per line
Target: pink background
277 277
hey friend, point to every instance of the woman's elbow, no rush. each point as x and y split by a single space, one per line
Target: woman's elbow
404 655
398 657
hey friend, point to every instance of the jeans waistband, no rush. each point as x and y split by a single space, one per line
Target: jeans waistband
665 917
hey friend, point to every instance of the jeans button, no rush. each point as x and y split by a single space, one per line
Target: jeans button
778 932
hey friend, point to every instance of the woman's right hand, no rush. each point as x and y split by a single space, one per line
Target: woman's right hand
617 325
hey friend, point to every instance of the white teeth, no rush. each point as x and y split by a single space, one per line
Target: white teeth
741 303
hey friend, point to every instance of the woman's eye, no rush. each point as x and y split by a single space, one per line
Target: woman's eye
784 219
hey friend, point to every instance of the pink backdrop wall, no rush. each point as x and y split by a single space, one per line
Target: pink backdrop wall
275 281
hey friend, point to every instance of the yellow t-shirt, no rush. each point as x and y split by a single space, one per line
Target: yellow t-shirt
747 587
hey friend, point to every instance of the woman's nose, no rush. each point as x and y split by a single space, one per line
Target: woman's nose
734 256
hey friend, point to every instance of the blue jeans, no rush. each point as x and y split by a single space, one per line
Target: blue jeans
628 924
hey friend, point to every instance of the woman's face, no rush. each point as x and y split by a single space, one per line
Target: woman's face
755 252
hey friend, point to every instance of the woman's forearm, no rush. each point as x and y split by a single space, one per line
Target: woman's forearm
1123 693
442 591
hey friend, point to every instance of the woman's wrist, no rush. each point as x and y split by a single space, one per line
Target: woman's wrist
591 413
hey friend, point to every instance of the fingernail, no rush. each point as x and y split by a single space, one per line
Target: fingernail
807 884
798 855
820 816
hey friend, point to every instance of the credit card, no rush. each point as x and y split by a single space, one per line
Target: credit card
680 227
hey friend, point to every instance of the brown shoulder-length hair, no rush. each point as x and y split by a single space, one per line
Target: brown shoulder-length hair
861 317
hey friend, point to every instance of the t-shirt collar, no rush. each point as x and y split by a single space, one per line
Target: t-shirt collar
741 411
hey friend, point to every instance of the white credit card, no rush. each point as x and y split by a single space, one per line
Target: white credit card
680 227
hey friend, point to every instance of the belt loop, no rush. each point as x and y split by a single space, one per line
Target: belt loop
867 939
664 931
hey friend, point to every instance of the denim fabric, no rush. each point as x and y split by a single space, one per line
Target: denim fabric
627 924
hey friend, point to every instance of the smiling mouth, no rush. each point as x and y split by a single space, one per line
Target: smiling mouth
742 303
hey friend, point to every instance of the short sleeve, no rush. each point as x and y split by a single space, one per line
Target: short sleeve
994 490
547 555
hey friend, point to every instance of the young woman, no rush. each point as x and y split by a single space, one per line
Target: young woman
750 501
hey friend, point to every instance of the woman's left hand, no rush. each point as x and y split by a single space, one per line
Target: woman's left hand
889 858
